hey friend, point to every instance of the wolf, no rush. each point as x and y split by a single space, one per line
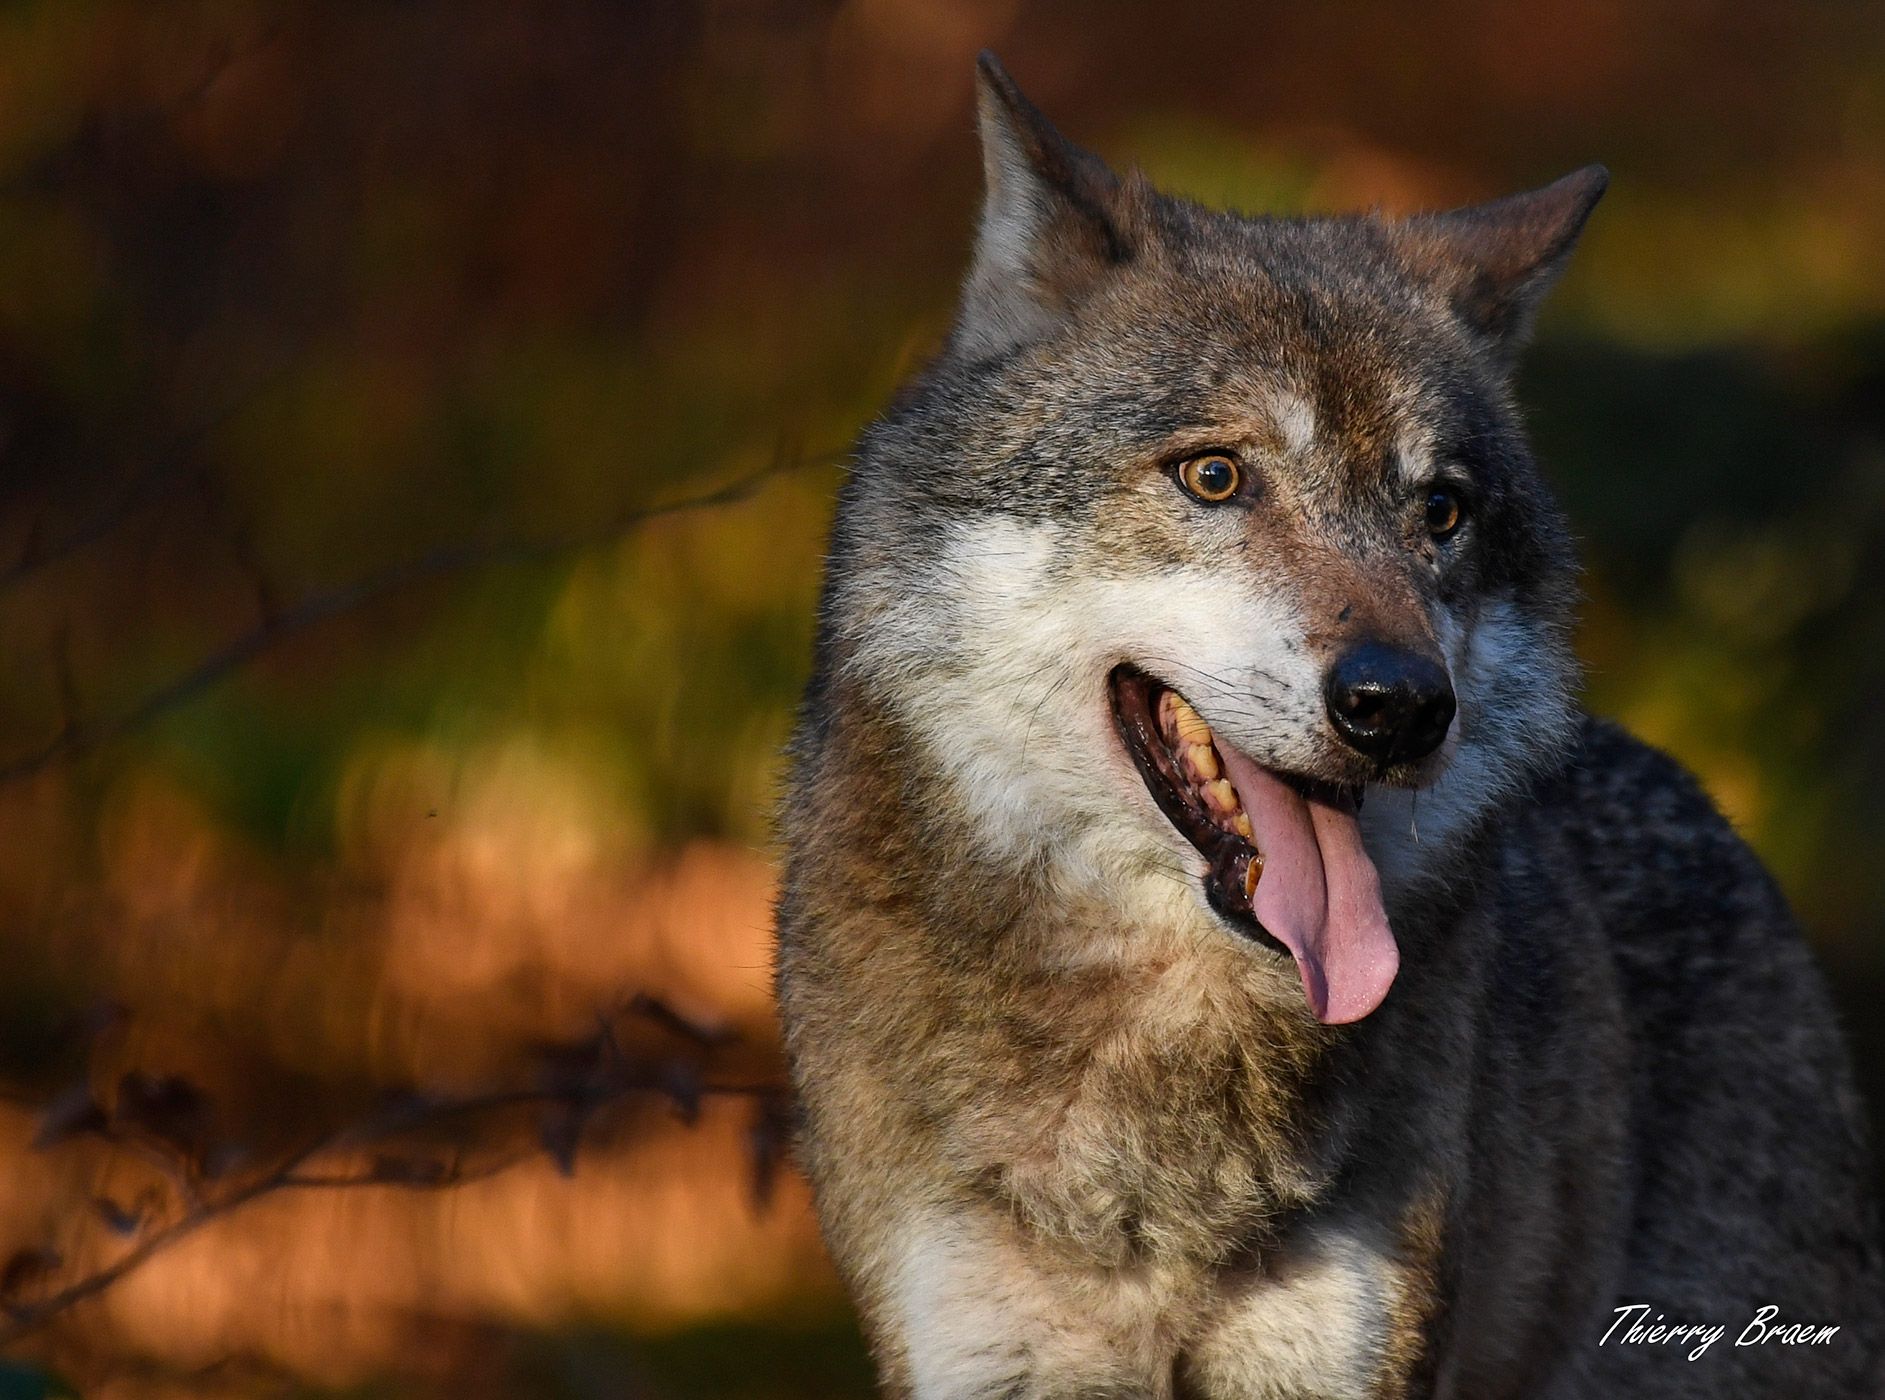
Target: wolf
1216 955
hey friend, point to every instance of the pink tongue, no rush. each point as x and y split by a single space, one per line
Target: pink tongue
1319 895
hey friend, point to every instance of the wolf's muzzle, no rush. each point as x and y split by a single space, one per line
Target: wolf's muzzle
1389 704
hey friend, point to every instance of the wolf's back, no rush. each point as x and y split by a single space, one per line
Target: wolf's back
1743 1179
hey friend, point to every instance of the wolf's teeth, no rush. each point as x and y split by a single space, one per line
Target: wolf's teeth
1220 796
1191 726
1243 825
1203 761
1168 715
1253 872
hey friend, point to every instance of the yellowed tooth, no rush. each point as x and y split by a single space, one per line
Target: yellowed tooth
1220 795
1168 703
1191 726
1243 825
1253 872
1203 761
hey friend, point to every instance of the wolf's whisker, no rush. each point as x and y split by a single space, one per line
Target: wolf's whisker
1034 716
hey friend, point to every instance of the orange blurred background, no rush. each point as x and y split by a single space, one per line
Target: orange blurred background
360 731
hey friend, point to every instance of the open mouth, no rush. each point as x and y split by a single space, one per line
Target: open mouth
1284 862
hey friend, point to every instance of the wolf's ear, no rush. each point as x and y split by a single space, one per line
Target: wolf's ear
1051 224
1496 261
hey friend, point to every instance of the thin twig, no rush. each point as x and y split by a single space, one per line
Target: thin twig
292 1174
146 487
324 607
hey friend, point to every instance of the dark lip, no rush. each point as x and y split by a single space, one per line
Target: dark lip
1344 797
1134 696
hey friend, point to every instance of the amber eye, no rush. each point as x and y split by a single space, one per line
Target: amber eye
1444 512
1212 477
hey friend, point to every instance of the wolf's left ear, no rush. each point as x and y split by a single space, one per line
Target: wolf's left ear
1496 261
1052 223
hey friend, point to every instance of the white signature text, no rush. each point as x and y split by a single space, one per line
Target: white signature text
1635 1328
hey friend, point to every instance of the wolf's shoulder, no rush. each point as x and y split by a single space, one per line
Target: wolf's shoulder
1647 836
1635 838
1683 901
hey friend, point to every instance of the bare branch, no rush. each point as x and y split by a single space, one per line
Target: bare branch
164 1120
145 488
289 621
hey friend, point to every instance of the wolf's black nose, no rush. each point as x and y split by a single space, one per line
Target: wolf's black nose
1392 705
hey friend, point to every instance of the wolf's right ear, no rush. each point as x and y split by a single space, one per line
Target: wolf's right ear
1051 223
1496 261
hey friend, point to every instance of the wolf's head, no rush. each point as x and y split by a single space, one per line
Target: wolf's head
1213 543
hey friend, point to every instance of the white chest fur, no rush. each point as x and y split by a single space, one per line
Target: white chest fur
1316 1326
977 1312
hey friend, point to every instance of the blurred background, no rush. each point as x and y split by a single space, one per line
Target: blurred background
371 733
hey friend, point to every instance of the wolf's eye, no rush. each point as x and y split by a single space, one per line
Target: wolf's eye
1211 477
1444 512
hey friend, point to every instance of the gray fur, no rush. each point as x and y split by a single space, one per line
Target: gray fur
1073 1135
